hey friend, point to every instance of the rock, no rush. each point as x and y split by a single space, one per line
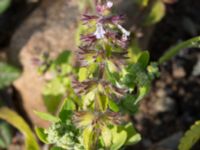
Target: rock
196 69
51 27
178 72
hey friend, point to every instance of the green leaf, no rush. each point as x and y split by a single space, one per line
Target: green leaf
143 90
128 103
63 58
103 101
54 87
119 137
190 137
4 4
56 148
47 116
83 74
69 105
5 135
144 59
41 135
106 136
7 74
14 119
67 110
170 53
88 138
113 106
156 14
143 3
52 102
2 144
133 136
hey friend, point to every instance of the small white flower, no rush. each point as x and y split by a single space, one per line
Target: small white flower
126 33
100 32
109 4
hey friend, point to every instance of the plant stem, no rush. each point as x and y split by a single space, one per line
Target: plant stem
191 43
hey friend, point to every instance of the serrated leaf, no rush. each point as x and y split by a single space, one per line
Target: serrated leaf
7 74
144 58
18 122
4 4
47 116
119 137
133 137
41 135
156 14
190 137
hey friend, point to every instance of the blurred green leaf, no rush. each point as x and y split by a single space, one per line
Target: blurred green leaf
103 102
5 135
52 102
113 106
144 59
47 116
133 136
63 58
88 138
143 90
18 122
156 14
119 137
56 148
170 53
41 135
4 4
67 109
143 3
83 74
128 104
106 136
190 137
7 74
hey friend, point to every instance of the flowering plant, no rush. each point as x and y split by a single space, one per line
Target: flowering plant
105 91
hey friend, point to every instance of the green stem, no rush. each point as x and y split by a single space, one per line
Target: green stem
191 43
